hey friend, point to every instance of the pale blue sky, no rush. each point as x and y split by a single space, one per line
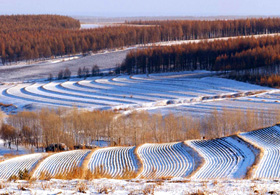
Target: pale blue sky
141 7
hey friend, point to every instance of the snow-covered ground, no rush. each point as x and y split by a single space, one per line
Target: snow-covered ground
166 160
4 149
61 163
114 161
175 186
225 158
206 166
190 92
12 166
269 140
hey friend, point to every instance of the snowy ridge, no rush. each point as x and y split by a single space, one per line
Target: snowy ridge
165 160
114 161
12 166
269 140
61 163
224 158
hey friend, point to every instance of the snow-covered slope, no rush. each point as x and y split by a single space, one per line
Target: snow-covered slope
114 161
12 166
61 163
181 92
268 140
224 158
165 160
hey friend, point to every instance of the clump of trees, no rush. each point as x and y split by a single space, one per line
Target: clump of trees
74 126
59 36
220 55
16 23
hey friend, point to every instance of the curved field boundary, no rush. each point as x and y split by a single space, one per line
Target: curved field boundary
165 160
115 162
267 139
61 163
21 94
224 158
12 166
70 87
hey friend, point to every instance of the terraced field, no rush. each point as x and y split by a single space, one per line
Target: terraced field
233 157
165 160
61 163
224 158
184 92
114 161
269 140
12 166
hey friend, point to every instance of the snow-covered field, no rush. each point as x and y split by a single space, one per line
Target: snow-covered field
227 157
114 161
166 160
61 163
12 166
233 157
269 140
195 166
177 186
182 92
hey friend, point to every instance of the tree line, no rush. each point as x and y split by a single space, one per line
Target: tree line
57 36
82 73
201 29
73 127
219 55
16 23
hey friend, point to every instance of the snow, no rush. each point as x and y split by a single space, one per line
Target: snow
114 161
157 187
61 163
181 92
224 158
165 160
12 166
267 139
6 150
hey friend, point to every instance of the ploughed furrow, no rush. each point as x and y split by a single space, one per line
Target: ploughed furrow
55 88
227 157
148 88
39 90
61 163
71 86
19 92
165 160
12 166
112 92
268 139
116 162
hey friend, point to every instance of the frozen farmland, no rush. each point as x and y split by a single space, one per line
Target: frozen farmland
253 154
114 161
61 163
164 92
12 166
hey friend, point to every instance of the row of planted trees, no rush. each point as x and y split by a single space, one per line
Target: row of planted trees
62 38
74 127
221 55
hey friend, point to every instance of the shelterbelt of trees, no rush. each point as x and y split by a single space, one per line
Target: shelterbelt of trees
74 127
16 23
42 36
219 55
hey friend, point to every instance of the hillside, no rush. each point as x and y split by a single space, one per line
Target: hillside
251 155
